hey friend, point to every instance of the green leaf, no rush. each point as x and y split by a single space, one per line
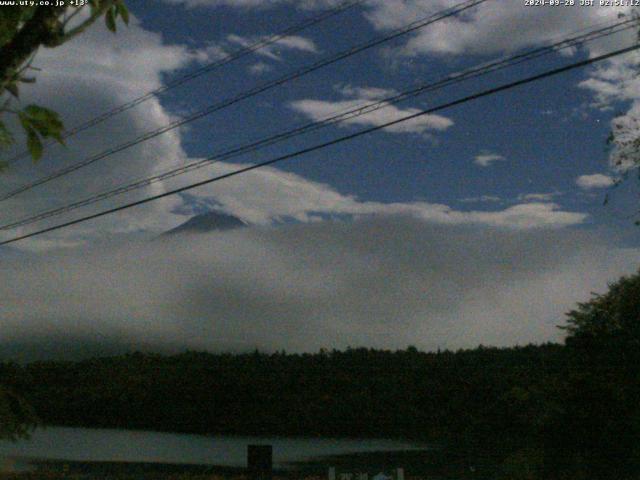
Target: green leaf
34 144
24 120
110 19
46 122
124 12
36 112
40 122
6 138
11 19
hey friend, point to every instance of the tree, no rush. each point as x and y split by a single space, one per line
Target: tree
23 30
625 142
17 418
624 138
608 325
600 425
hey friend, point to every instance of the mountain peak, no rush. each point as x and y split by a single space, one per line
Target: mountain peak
209 222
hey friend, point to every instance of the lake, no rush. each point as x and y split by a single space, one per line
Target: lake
103 445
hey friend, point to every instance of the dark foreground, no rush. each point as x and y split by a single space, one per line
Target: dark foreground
552 412
418 465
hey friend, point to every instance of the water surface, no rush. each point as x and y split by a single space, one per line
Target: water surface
103 445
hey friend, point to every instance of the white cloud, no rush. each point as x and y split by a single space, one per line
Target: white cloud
318 110
262 4
611 83
490 28
259 68
368 93
481 199
597 180
272 51
230 3
486 158
614 81
210 53
94 73
296 42
266 195
537 197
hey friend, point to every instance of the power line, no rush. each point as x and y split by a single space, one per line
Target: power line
335 141
458 8
337 118
228 58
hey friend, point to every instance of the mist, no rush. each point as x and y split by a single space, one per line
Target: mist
384 283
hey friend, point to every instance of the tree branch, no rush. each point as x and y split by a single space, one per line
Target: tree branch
97 13
43 28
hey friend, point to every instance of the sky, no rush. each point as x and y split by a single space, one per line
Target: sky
482 223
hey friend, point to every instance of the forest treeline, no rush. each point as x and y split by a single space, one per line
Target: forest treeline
567 410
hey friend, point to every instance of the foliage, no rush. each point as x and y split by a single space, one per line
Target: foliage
610 323
23 30
17 417
601 420
477 400
525 464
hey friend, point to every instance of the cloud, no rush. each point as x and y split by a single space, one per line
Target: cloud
597 180
625 154
481 199
260 4
296 42
259 68
209 53
385 282
537 197
368 93
94 73
486 158
318 110
107 70
614 81
269 195
230 3
488 29
272 50
217 51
